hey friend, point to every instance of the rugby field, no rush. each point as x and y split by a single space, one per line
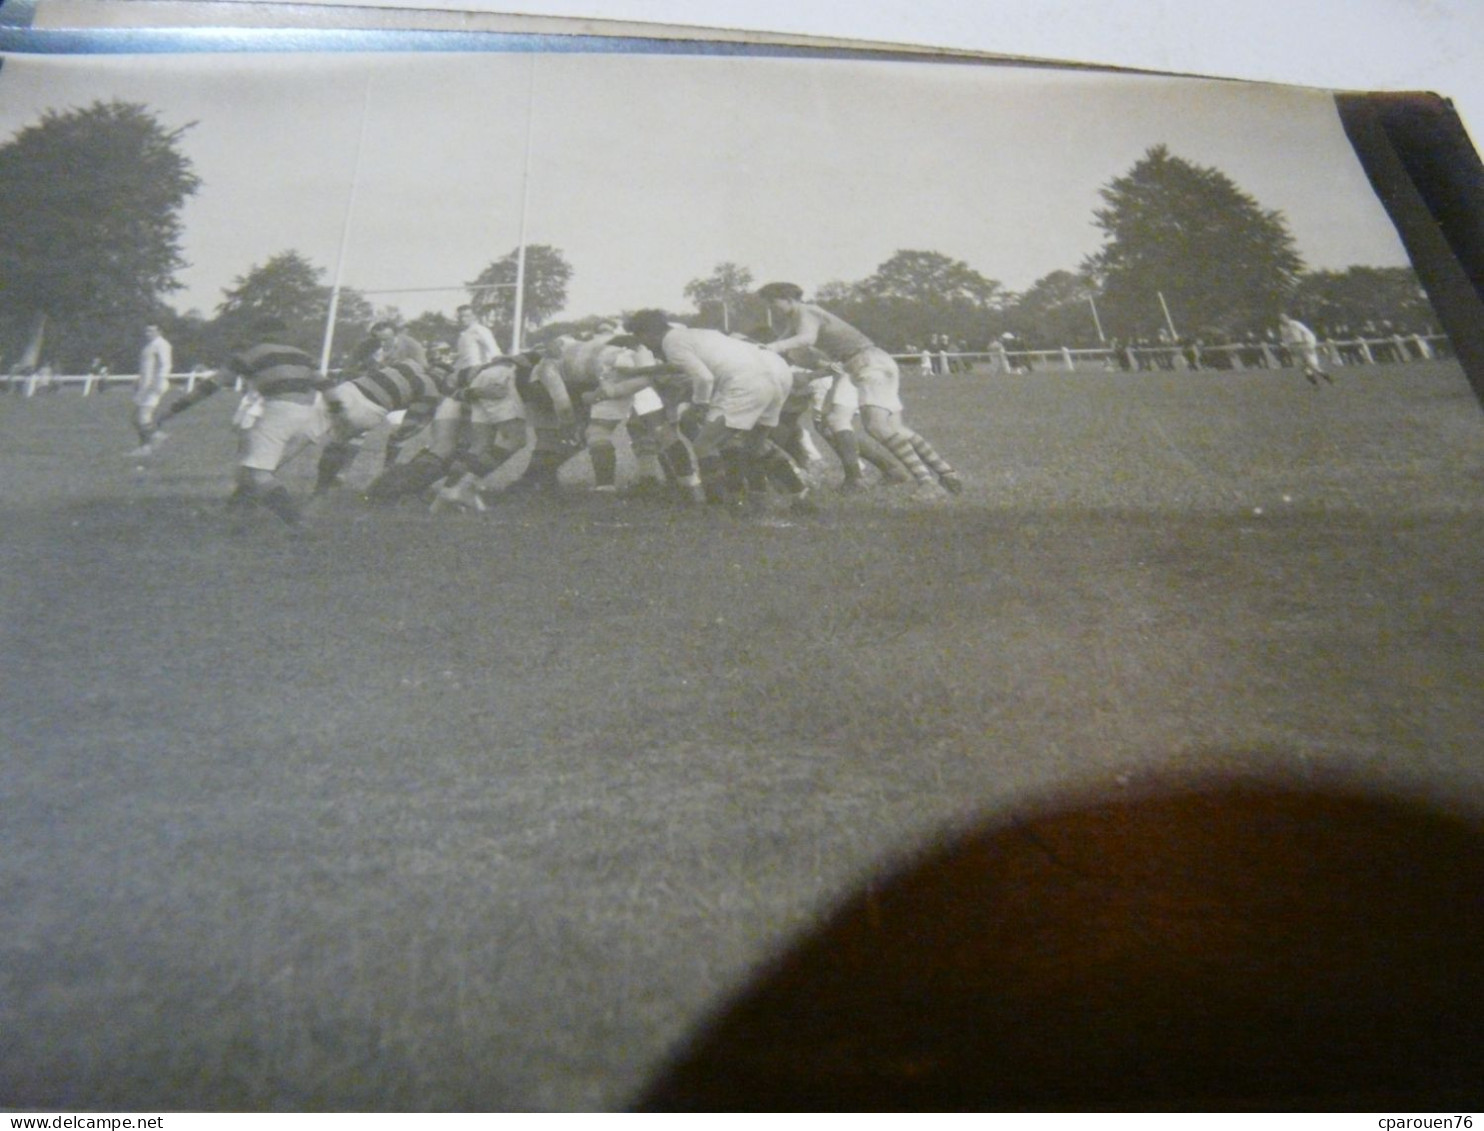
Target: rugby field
491 812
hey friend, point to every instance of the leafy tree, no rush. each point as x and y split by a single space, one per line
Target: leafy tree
547 276
90 229
1332 301
1190 234
838 292
915 294
291 289
931 279
434 326
727 288
1056 311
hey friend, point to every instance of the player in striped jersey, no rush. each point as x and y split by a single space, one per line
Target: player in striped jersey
874 373
478 424
362 403
285 414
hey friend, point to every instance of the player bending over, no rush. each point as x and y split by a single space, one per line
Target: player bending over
744 388
365 401
875 375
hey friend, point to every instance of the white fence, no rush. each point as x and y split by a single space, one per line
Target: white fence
29 384
1233 356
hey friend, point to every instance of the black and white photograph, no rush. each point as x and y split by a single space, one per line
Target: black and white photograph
581 573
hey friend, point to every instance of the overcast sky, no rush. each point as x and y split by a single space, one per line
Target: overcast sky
647 171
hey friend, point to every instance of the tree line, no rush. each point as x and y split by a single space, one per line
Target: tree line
90 248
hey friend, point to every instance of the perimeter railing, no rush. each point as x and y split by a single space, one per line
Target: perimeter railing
1229 357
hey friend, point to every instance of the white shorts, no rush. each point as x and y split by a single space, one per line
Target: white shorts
647 401
1305 355
749 400
284 429
876 375
361 413
148 394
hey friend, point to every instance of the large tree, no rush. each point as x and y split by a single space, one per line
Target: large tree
932 279
290 289
1341 301
1188 233
727 290
433 326
547 274
1057 310
90 229
914 294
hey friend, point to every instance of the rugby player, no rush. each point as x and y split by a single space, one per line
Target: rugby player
150 387
394 344
835 405
1303 348
283 414
476 346
874 373
744 388
478 424
364 402
587 368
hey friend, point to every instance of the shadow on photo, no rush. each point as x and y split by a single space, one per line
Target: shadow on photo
1236 945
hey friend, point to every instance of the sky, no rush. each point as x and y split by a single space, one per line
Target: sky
648 170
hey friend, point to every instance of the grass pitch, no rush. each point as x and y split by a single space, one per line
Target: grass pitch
490 812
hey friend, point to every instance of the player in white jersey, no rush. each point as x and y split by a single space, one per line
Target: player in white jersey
476 346
874 373
1303 347
155 362
745 388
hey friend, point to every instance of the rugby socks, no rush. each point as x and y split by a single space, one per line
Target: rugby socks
649 461
713 478
605 463
336 457
735 468
280 502
929 455
874 452
900 445
680 461
795 443
848 449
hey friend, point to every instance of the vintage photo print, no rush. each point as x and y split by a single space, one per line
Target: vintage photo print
583 575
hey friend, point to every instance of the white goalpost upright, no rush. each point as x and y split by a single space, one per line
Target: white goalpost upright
346 228
518 321
350 208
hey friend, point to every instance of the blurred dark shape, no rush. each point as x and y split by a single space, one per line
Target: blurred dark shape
1242 946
